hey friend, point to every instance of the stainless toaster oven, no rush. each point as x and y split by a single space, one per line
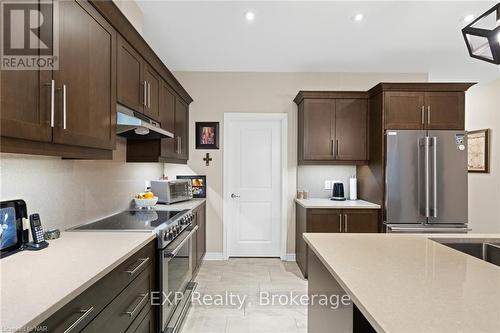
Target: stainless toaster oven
170 191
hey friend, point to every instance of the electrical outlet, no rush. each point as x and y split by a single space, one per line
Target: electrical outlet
328 185
147 185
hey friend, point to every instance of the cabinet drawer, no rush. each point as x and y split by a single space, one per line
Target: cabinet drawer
85 307
120 313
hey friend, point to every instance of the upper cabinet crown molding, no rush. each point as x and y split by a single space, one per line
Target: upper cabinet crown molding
114 15
303 94
420 86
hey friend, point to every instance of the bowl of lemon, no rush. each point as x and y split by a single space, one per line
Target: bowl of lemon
145 200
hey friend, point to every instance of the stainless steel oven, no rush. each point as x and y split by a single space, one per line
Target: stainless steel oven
175 276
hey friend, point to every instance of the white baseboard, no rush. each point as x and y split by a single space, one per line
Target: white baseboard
290 257
214 256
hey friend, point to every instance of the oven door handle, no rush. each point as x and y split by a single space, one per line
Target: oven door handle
173 253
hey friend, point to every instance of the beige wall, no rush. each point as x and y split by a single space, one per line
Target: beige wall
217 93
483 111
132 12
70 192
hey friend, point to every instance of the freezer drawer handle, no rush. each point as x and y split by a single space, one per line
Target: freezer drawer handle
426 230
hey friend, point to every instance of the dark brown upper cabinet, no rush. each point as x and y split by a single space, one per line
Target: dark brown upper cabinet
181 130
423 105
85 81
131 91
152 100
138 84
332 127
69 112
404 110
351 125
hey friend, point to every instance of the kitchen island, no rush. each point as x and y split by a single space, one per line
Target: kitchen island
401 283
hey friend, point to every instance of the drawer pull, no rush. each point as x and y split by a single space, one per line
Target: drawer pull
84 315
138 306
143 262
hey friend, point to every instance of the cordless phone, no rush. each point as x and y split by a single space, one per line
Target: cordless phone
36 228
37 233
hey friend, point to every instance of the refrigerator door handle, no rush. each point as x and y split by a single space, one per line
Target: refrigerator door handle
434 212
427 176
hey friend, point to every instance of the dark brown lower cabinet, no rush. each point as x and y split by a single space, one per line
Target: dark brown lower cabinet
118 302
198 246
330 221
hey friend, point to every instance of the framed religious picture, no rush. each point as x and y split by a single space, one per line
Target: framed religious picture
199 185
478 159
207 135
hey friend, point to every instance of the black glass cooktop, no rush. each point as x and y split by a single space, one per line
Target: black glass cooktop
132 220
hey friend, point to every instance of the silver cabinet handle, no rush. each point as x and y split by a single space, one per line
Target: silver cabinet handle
149 95
423 115
338 147
180 144
64 106
138 306
333 147
145 93
428 115
84 315
340 222
345 223
234 196
52 105
143 262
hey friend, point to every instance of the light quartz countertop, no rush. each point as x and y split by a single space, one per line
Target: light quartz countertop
191 204
327 203
35 284
410 283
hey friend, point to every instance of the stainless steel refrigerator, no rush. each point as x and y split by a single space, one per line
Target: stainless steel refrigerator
426 181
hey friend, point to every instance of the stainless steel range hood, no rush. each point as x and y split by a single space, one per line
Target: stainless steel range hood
133 125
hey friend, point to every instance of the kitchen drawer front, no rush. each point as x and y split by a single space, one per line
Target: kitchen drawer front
85 307
120 313
145 322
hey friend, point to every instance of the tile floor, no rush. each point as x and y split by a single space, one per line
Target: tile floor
254 281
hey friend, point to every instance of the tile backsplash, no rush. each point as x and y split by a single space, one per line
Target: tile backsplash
67 193
312 178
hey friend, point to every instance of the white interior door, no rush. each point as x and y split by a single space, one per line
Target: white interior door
254 186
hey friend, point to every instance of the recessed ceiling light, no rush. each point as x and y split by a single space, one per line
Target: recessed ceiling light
250 16
358 17
468 18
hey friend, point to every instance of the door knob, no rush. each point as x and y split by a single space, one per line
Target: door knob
234 196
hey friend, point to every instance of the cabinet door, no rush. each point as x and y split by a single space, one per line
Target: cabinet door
25 98
167 120
181 129
25 105
152 80
445 110
85 81
351 120
324 220
318 126
404 110
360 220
130 82
201 234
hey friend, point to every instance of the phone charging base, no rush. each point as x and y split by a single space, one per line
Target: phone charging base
36 246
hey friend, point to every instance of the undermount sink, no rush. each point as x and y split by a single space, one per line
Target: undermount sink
486 250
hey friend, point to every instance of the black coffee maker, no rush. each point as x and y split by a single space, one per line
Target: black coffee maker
338 191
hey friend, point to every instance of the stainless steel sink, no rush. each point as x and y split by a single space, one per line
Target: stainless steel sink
487 251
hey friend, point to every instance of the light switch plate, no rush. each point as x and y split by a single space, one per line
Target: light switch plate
328 185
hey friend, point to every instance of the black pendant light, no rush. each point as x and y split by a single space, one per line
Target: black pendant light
482 36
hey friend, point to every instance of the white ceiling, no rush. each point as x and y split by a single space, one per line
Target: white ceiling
306 36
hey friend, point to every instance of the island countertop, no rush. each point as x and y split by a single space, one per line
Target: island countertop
410 283
327 203
35 284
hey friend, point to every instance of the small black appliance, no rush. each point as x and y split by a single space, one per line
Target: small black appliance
338 191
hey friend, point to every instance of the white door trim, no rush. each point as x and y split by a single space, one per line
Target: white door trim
283 117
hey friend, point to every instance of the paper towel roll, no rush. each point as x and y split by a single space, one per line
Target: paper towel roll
353 188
